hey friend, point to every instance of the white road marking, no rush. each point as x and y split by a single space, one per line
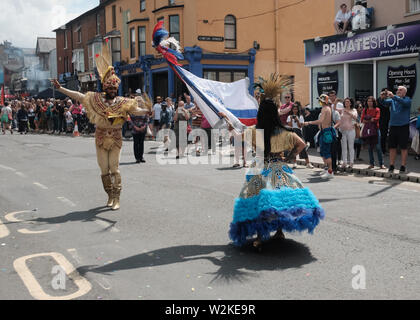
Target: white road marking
35 288
20 174
40 185
66 201
107 225
104 283
7 168
74 254
4 231
11 218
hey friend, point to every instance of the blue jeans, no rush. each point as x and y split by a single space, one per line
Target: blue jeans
378 151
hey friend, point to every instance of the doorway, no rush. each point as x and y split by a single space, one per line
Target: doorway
360 81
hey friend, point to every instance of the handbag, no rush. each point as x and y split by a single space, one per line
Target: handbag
327 136
415 144
369 130
357 129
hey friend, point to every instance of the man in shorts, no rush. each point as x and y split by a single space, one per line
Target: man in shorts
399 129
325 121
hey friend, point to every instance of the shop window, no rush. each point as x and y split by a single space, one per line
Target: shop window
230 32
142 41
414 6
132 43
142 5
174 27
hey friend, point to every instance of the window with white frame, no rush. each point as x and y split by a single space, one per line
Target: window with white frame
414 6
132 43
94 49
78 60
174 27
115 47
142 41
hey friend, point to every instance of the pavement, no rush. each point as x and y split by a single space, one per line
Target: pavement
170 238
361 167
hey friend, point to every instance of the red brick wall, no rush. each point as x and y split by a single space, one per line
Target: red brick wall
88 28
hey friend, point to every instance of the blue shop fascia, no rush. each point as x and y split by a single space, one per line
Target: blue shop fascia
152 74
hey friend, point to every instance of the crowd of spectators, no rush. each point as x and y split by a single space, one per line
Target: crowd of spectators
44 116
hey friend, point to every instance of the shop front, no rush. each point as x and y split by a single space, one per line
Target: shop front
361 64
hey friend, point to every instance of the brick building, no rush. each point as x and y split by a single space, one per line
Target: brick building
78 41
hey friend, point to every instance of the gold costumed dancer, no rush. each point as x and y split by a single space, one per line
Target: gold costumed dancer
108 112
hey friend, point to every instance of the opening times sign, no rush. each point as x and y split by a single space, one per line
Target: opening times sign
364 45
402 76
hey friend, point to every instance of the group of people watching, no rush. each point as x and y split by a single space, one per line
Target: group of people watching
51 116
381 124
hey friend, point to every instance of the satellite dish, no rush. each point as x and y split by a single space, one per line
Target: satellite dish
359 20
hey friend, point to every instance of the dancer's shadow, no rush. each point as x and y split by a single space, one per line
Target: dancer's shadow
235 264
84 216
127 163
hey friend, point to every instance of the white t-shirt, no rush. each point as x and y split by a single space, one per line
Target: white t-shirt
68 117
294 123
6 110
342 17
157 108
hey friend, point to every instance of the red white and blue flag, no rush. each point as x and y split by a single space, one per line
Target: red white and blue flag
212 97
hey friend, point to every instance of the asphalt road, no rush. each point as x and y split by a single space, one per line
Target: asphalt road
170 239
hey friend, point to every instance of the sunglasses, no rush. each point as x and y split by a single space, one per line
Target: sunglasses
287 97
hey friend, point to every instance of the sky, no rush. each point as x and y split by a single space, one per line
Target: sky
22 21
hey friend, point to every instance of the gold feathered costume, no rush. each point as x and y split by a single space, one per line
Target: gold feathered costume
109 117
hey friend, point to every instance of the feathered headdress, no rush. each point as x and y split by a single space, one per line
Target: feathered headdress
162 43
105 69
274 86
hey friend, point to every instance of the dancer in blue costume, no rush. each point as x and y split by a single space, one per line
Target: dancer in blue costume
273 198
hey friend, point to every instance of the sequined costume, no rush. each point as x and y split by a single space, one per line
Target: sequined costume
273 198
109 114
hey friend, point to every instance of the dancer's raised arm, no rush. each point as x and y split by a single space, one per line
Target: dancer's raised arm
75 95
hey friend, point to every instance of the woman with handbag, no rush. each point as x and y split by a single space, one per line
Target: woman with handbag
371 134
6 118
348 132
358 126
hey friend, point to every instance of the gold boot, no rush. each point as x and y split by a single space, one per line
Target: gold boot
116 190
107 183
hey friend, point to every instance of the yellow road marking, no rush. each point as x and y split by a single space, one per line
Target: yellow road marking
35 288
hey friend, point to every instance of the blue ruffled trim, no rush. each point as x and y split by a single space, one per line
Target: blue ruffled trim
294 219
279 199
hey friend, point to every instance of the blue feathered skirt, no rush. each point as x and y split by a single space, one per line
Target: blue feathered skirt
271 199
